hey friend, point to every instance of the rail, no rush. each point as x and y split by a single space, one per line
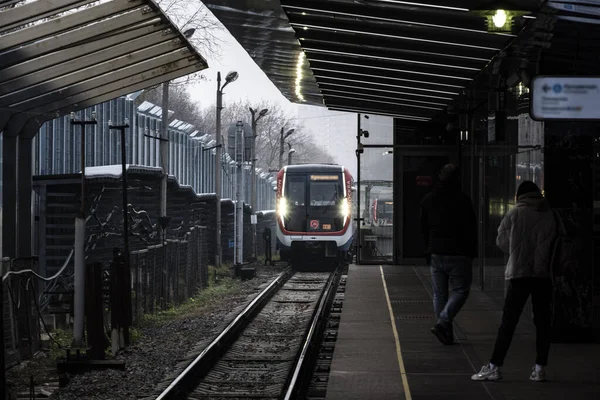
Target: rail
203 361
295 380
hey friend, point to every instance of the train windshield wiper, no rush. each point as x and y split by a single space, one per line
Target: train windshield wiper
331 201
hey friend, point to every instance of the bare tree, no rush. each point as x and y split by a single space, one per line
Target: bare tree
179 101
193 14
268 142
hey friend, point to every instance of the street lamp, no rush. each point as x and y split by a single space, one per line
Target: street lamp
231 77
261 114
281 141
290 152
121 128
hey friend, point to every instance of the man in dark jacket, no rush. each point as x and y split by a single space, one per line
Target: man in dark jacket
449 229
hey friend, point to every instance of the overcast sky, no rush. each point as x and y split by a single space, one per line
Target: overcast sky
255 86
252 83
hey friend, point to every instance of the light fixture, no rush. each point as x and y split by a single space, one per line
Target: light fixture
500 15
299 75
499 19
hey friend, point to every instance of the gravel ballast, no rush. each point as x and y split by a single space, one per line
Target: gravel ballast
162 346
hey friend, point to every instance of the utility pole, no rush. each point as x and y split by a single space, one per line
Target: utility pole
253 202
239 204
127 306
281 142
232 76
79 301
164 159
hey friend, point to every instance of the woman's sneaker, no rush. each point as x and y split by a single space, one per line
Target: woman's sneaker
538 376
488 373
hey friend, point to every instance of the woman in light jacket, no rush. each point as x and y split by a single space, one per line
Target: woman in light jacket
526 234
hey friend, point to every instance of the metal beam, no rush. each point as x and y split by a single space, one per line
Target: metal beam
413 59
447 39
410 15
372 68
384 90
323 39
104 76
405 63
49 66
140 60
84 34
388 108
68 22
385 79
35 11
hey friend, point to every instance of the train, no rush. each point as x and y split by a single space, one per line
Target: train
314 215
382 212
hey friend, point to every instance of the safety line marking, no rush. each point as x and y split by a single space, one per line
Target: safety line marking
398 348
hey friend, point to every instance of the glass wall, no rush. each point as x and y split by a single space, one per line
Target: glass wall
376 190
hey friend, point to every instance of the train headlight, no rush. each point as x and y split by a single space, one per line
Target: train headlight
345 209
282 209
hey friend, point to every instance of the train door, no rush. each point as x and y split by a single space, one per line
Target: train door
296 196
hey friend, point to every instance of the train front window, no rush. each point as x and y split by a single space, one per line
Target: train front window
295 192
324 193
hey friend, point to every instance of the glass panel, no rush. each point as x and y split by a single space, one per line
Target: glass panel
420 173
326 196
295 197
380 128
376 205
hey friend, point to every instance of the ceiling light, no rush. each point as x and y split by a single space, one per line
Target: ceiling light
499 19
499 15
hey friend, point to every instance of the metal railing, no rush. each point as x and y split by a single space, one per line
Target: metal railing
168 274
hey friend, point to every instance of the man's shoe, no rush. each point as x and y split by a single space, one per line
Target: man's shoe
442 334
488 373
538 376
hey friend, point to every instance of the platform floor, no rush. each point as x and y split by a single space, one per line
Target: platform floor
377 359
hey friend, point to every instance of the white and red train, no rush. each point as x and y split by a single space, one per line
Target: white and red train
314 214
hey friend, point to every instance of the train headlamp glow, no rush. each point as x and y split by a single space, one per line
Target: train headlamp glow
282 209
345 209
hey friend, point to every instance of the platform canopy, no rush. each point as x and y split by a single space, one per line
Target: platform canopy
407 59
63 55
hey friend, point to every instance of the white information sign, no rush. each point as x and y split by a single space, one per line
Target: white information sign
565 98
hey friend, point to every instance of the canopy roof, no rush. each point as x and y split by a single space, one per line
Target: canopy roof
400 58
64 55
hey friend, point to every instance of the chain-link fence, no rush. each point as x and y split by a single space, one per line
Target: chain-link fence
167 274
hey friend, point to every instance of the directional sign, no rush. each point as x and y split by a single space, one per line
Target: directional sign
565 98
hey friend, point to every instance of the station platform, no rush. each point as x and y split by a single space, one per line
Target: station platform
385 350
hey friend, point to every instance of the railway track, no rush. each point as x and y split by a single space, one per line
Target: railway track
268 351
